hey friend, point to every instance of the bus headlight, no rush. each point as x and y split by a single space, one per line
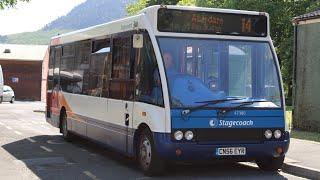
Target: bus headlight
178 135
188 135
268 134
277 134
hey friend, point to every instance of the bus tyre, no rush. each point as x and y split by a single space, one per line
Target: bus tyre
271 164
148 159
64 127
12 100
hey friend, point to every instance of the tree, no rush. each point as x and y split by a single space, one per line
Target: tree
10 3
140 4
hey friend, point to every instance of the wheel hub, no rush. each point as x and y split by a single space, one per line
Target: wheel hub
145 153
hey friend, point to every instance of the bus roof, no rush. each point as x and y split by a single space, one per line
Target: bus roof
145 19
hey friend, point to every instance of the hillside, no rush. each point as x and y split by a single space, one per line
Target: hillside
89 13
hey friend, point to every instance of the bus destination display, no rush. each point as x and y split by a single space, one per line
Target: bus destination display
184 21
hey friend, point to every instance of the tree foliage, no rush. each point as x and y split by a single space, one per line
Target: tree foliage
10 3
281 14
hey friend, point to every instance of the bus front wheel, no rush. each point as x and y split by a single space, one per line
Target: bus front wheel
149 161
270 164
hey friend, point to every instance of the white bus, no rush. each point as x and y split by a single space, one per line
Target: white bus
1 85
173 84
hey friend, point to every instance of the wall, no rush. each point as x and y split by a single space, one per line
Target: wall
307 80
28 74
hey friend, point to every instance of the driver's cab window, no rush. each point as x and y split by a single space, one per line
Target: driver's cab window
149 89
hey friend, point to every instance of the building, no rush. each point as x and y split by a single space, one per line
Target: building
24 70
306 77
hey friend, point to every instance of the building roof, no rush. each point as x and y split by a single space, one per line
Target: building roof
22 52
308 16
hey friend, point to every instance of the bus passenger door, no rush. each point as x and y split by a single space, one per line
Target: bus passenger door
121 92
128 118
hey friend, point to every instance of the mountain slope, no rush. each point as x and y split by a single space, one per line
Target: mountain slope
89 13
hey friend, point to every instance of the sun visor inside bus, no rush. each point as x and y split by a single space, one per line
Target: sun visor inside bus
186 21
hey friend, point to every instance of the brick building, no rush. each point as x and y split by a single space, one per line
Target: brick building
24 70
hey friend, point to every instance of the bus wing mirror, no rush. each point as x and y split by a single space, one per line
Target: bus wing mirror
138 41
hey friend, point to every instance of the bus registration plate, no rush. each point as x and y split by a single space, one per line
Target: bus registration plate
231 151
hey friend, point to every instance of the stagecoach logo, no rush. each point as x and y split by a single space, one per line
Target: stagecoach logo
213 123
229 124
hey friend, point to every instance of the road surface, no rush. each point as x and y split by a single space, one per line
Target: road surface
32 149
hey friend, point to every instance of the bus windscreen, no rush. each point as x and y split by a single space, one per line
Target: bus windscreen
186 21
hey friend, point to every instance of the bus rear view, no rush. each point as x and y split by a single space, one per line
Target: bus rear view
224 83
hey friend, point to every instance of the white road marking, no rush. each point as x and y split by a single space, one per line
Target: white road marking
55 142
17 132
46 149
31 140
34 122
8 127
1 123
89 174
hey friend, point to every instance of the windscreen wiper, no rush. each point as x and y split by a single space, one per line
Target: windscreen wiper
223 111
207 103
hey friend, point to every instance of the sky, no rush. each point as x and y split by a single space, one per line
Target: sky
32 16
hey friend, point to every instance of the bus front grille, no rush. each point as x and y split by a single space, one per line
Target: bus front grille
229 135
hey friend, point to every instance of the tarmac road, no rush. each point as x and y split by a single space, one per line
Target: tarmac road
32 149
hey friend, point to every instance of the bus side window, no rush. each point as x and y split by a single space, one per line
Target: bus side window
122 82
98 65
56 68
51 67
81 70
149 88
67 66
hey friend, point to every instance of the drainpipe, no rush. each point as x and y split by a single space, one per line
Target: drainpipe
295 53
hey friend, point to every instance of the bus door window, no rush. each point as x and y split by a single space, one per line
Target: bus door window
122 78
82 65
67 80
149 89
98 64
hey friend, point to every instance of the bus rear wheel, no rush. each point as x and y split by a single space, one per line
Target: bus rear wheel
64 127
270 164
149 161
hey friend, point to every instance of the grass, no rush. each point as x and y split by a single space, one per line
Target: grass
311 136
305 135
289 119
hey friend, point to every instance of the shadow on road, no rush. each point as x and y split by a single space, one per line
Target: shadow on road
50 157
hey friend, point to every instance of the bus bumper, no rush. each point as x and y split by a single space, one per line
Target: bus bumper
167 149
